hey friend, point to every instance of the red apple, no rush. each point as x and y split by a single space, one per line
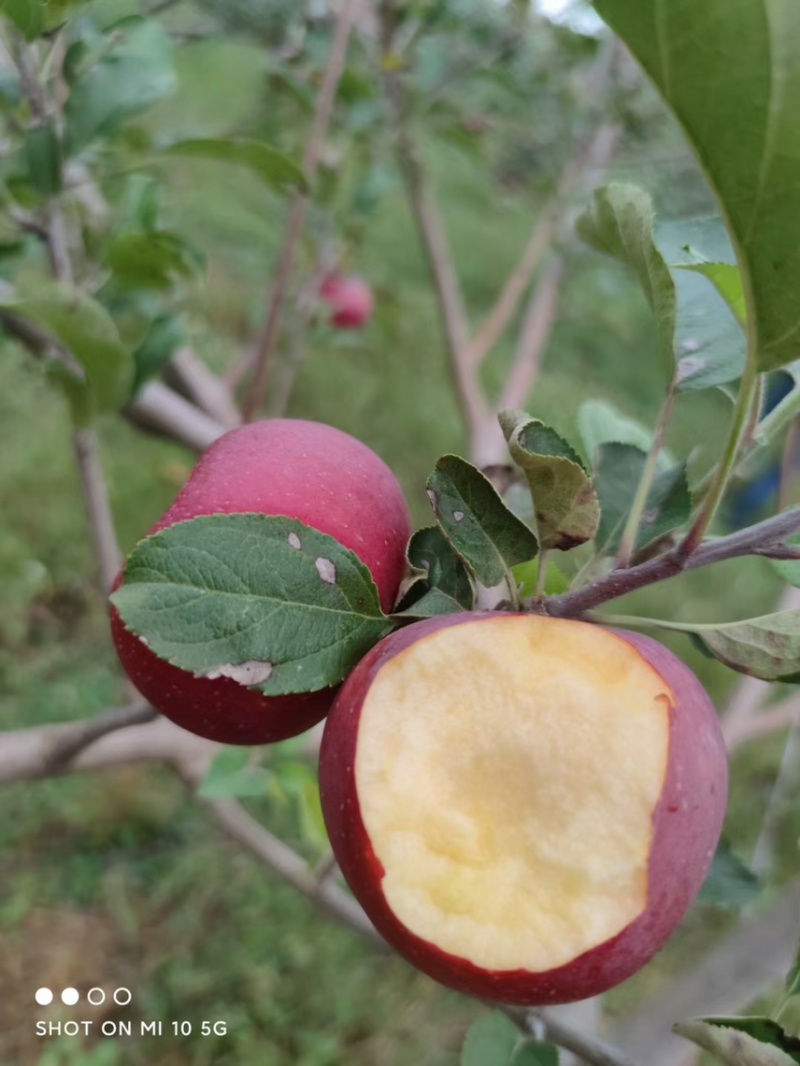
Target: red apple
524 806
349 298
305 470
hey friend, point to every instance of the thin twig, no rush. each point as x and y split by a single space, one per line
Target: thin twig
536 330
543 1025
68 744
238 824
433 235
161 409
669 564
631 531
205 388
98 506
268 339
785 781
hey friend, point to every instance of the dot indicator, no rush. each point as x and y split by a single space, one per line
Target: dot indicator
70 996
43 996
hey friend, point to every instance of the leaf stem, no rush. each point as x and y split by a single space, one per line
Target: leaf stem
627 545
741 414
541 577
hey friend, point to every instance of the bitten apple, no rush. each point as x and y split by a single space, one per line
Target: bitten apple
305 470
524 806
349 298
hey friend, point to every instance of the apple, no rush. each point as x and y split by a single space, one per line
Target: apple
305 470
524 806
349 298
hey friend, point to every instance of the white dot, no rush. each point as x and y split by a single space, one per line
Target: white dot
70 996
96 996
122 997
43 996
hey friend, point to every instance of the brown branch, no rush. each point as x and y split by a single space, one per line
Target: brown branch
235 821
782 716
433 235
67 744
27 754
204 388
536 330
748 541
162 410
98 506
268 339
544 1025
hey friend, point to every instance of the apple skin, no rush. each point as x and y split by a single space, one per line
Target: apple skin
349 298
305 470
686 827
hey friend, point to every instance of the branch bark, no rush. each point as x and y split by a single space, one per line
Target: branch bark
268 338
543 1025
204 388
536 329
750 541
98 506
161 409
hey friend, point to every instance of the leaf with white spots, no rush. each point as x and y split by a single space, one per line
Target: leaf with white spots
482 530
264 600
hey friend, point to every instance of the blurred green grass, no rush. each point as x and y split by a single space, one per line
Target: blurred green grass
193 925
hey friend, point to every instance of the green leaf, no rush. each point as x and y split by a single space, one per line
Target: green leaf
742 1041
619 471
767 647
233 773
166 334
88 332
565 502
430 552
730 884
710 340
711 347
600 422
526 576
738 108
266 600
42 153
275 169
490 1041
151 260
133 75
484 532
430 604
620 223
299 781
27 16
535 1054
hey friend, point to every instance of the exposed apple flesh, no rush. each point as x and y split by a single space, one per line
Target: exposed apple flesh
305 470
524 806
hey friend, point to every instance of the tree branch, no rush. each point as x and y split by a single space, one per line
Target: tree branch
536 329
750 541
268 338
204 388
159 408
68 742
543 1025
98 506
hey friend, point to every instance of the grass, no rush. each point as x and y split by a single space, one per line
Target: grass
119 879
